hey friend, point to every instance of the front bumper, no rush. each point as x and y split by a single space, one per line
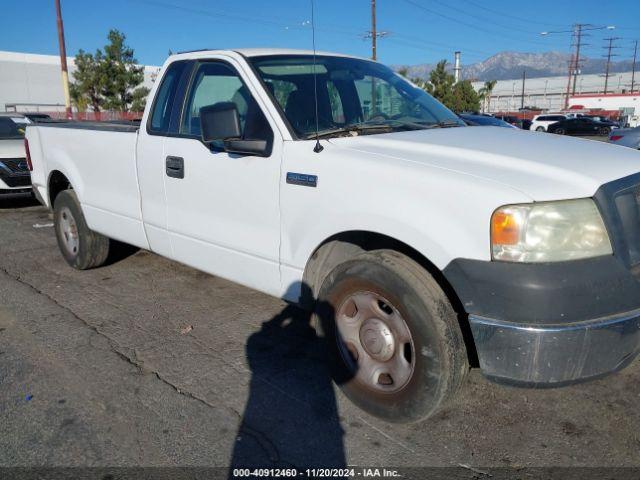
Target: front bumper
550 324
553 355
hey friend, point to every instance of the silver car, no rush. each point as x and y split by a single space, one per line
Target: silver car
627 137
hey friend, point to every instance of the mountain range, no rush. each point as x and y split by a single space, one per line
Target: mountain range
509 65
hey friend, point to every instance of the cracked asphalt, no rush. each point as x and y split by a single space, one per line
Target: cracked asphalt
148 362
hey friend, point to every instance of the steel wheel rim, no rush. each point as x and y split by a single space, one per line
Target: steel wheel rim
69 231
375 342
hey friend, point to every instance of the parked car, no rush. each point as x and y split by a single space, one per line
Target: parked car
540 123
418 241
14 171
510 119
483 120
525 124
627 137
581 126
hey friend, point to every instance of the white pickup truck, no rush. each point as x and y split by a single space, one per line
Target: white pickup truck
424 245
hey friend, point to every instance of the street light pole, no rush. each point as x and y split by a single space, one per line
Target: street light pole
63 61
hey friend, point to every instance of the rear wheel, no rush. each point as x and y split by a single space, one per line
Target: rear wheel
605 131
559 131
394 340
80 246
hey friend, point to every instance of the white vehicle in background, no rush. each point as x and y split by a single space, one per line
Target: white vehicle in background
14 170
419 242
540 123
627 137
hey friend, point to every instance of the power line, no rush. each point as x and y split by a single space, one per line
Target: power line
469 25
506 15
485 19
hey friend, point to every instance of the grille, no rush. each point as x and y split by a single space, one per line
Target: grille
627 203
16 165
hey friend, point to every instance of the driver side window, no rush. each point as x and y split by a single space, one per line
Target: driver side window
216 82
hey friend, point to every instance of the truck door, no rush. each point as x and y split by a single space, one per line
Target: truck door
162 121
223 209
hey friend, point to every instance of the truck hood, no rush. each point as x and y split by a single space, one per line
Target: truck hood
541 165
12 148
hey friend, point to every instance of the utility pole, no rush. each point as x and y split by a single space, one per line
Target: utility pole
374 33
524 77
578 43
63 61
609 49
578 31
633 68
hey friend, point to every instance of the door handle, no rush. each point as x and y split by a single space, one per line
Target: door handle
174 167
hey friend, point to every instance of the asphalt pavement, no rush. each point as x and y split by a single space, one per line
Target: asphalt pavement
148 362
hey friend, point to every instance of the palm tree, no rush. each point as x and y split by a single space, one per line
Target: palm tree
485 92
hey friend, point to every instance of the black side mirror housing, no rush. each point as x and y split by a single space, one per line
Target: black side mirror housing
221 122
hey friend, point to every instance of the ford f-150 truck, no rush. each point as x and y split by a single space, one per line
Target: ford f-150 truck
424 245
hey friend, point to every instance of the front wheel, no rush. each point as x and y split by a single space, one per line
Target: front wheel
394 340
80 246
559 131
605 131
540 129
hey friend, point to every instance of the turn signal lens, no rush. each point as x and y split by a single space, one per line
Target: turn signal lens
504 228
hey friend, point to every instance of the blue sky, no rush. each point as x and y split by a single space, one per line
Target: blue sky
420 31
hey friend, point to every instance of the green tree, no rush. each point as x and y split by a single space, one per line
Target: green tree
109 79
440 84
465 98
123 73
89 84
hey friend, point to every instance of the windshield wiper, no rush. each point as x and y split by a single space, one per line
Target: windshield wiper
444 124
356 128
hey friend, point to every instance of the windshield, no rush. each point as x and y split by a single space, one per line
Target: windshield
354 96
12 128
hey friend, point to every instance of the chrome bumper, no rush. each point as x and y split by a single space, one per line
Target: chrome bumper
553 355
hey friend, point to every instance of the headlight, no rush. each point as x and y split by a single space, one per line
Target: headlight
549 232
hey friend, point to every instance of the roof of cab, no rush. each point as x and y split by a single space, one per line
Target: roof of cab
259 52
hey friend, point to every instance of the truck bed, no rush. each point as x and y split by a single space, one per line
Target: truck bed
99 160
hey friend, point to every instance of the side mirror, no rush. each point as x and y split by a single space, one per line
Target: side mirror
219 121
222 122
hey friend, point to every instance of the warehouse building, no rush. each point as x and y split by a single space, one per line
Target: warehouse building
549 93
31 82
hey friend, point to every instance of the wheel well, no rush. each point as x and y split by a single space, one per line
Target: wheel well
343 246
57 183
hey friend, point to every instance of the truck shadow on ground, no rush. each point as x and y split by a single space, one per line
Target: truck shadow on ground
291 417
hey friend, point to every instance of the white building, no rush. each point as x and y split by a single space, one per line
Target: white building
549 93
30 82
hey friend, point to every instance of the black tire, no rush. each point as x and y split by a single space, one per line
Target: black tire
91 249
559 131
437 350
605 131
541 129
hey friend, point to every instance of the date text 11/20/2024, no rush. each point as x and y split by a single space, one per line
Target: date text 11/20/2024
315 472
